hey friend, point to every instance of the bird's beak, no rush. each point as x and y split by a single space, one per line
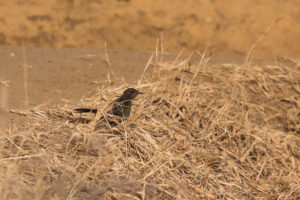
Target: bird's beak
140 92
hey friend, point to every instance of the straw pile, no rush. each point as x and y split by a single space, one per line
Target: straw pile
200 131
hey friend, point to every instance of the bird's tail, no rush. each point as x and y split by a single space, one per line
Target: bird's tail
85 110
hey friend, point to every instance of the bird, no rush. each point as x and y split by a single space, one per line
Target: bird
121 107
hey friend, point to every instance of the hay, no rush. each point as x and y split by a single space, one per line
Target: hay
199 132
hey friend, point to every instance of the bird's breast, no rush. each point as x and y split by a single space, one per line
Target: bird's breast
122 109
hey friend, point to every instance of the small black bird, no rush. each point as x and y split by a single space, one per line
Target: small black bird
121 106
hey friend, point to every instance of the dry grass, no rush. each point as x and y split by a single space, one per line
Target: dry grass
199 132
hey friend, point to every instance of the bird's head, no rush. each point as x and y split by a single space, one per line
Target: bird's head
130 94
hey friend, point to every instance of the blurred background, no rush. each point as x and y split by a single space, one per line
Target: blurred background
229 27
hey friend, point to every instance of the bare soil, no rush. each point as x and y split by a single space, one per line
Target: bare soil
230 27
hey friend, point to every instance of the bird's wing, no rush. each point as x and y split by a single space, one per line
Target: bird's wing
85 110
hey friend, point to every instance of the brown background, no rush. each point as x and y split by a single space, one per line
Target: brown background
230 26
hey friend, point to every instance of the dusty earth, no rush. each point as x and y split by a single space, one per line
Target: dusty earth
230 27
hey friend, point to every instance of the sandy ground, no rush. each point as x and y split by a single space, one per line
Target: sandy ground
230 27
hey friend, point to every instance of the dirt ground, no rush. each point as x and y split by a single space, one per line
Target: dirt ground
229 27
